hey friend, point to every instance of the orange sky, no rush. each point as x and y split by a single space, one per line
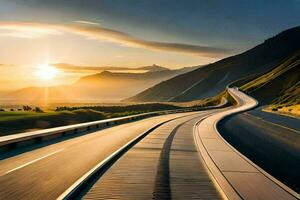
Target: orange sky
115 33
30 45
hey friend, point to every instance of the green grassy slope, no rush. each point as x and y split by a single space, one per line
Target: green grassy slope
280 85
21 121
279 88
15 122
209 80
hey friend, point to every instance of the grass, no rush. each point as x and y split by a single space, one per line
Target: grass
15 115
279 88
12 122
146 107
292 111
20 121
259 82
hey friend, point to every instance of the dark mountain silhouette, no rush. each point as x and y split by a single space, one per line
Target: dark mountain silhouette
211 79
280 85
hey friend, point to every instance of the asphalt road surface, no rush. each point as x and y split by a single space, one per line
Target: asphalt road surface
47 172
282 120
164 165
275 148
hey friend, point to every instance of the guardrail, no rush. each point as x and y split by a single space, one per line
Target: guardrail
78 187
29 138
18 140
82 183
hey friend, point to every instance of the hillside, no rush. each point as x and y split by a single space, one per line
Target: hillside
105 86
17 121
280 87
279 84
211 79
150 68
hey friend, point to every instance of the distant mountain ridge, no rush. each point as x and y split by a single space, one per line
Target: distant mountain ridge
150 68
211 79
105 86
152 73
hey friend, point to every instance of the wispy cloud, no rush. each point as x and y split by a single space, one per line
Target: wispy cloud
26 30
86 22
100 33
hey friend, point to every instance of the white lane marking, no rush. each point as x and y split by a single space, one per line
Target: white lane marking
33 161
272 123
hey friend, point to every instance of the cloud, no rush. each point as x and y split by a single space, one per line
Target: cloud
26 30
86 22
100 33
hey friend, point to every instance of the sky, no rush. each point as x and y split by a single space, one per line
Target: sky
132 33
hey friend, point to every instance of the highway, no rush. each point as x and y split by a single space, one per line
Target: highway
47 172
237 176
277 119
273 147
164 165
184 157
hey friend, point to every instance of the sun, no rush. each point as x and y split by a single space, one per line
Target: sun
47 72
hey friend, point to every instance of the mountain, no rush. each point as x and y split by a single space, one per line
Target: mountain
105 86
279 88
151 68
211 79
115 85
281 84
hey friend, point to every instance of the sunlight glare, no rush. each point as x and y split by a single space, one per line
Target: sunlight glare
47 72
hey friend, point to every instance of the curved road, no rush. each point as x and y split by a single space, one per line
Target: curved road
45 173
238 177
184 158
273 147
164 165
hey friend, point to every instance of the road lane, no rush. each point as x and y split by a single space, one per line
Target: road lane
278 119
33 161
164 165
237 176
35 178
274 148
